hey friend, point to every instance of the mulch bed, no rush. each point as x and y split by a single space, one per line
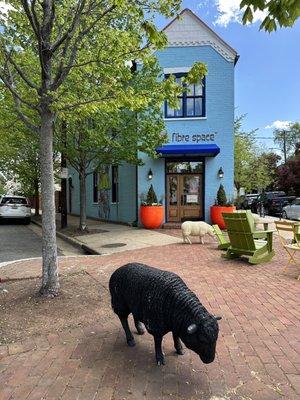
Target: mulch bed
23 313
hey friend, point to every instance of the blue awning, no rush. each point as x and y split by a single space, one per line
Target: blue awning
205 150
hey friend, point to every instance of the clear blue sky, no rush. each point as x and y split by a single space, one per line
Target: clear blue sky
267 75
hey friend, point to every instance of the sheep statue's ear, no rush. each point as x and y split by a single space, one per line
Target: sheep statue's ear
217 317
192 329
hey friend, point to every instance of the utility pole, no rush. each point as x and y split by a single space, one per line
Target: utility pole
284 146
64 207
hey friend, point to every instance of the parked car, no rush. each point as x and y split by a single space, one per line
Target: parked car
15 207
292 211
272 202
247 200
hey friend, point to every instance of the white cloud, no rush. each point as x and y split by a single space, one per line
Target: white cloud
278 125
229 11
4 7
3 10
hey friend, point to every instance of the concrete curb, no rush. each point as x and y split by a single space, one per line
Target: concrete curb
72 241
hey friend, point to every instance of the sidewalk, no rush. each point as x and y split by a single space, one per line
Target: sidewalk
113 238
258 349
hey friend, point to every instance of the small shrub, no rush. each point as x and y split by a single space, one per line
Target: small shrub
221 197
150 199
151 196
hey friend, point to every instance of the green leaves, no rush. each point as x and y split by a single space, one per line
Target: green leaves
155 37
281 13
221 197
288 138
248 16
251 166
196 73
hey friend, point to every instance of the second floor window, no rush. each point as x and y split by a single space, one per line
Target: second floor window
191 102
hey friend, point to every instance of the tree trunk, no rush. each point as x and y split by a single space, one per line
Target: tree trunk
50 282
82 219
238 188
37 198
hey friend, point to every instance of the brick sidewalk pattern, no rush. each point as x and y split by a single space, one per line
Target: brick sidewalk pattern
257 351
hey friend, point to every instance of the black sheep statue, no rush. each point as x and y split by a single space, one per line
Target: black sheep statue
163 303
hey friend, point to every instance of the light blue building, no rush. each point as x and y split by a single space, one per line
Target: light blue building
201 144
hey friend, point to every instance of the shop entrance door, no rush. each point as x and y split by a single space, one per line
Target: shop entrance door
184 197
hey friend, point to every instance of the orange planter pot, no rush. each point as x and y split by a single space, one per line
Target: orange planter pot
216 214
152 216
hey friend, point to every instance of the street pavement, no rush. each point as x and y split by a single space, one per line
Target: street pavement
18 241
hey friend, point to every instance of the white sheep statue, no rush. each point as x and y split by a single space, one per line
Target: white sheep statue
196 228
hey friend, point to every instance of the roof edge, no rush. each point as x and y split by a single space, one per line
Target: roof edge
231 49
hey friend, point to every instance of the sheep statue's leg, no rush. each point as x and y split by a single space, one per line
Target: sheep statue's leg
178 345
187 239
139 326
129 337
211 234
160 359
201 240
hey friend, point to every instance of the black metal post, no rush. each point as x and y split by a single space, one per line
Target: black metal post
64 207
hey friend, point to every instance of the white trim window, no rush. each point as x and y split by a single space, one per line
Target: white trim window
191 102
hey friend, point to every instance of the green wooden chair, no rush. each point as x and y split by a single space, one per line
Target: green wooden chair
223 241
244 241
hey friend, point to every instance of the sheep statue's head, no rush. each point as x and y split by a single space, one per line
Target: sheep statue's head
201 337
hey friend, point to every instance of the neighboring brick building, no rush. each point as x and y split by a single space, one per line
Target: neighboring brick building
201 141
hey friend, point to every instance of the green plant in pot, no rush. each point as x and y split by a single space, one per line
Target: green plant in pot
221 205
151 211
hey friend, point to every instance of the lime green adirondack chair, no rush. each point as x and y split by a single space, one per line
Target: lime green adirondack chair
223 241
244 241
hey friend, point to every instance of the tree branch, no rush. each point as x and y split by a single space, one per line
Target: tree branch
47 24
64 71
70 32
19 71
24 119
16 95
92 25
31 16
82 103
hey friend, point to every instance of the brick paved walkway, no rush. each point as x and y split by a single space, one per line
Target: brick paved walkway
257 352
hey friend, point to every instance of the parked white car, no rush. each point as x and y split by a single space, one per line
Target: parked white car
15 207
292 211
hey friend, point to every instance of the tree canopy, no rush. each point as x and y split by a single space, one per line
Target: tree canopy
60 57
288 176
18 149
288 139
243 155
253 168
